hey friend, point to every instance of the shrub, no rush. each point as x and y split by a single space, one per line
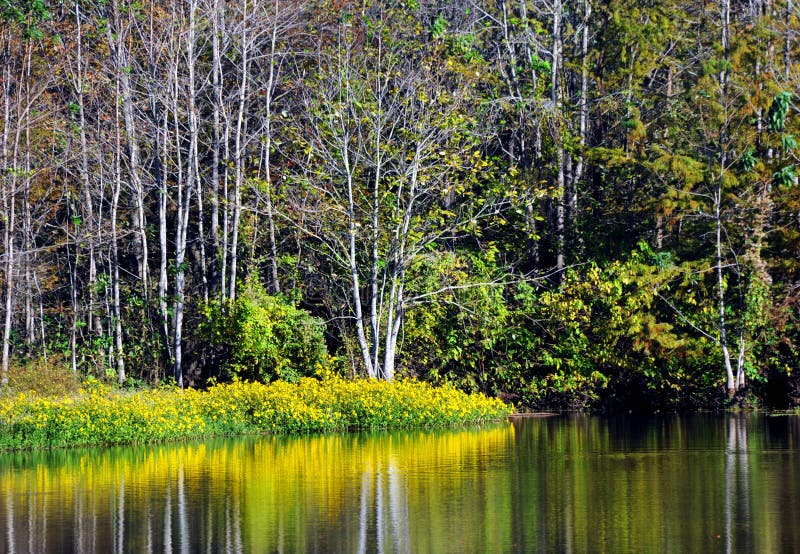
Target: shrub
51 377
263 337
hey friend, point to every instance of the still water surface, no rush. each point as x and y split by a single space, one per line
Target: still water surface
583 484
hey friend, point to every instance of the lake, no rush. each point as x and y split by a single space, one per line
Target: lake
702 483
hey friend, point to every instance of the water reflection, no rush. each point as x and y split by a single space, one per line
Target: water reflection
563 484
737 496
384 508
340 493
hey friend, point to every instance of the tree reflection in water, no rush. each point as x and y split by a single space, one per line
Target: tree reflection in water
375 505
737 477
565 484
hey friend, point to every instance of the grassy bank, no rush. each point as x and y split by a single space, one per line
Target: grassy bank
98 415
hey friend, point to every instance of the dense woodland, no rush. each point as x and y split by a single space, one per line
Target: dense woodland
568 204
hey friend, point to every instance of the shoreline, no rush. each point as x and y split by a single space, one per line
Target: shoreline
101 416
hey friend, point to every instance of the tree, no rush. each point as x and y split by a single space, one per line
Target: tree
724 168
390 150
23 87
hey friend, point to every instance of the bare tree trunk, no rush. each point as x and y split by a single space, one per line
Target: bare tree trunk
194 129
161 138
9 210
723 339
394 320
41 315
378 166
185 194
25 259
160 154
123 69
396 308
225 213
201 231
24 129
73 296
115 282
93 322
27 233
348 165
557 138
87 207
731 380
239 144
740 374
9 182
583 116
269 90
216 147
354 278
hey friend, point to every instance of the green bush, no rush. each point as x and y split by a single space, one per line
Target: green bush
263 337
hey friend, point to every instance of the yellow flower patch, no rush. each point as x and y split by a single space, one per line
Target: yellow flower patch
100 415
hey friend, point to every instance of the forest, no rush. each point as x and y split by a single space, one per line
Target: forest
583 204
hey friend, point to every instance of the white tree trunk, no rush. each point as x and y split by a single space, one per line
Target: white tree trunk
239 143
216 147
91 236
9 191
353 262
723 339
185 191
131 139
557 139
270 90
115 282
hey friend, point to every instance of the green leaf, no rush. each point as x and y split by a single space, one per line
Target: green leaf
784 177
748 161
